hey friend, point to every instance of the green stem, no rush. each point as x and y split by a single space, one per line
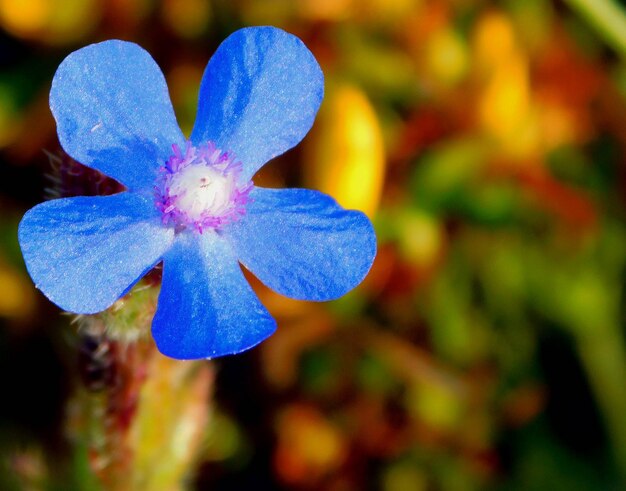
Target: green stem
144 424
607 17
602 353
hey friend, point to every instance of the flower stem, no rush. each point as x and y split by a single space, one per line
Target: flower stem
141 415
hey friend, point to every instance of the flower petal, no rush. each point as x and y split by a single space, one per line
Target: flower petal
259 95
302 244
113 111
206 307
84 253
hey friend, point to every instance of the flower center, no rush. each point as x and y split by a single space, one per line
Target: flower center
201 188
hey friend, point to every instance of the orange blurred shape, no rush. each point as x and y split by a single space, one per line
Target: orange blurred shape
187 18
309 446
505 99
17 298
328 10
50 21
24 18
568 87
278 12
344 156
421 22
281 307
381 273
505 108
494 40
559 125
282 351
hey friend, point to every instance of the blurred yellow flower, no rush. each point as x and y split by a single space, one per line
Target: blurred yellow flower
50 21
494 40
345 156
505 109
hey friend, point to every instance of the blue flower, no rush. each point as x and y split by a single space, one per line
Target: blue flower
191 203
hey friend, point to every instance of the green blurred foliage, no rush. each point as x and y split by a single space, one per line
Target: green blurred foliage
485 351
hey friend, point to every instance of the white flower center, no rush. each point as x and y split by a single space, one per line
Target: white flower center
199 190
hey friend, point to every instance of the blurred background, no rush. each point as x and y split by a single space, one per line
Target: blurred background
485 350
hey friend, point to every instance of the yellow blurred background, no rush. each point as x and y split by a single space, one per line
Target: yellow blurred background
486 349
